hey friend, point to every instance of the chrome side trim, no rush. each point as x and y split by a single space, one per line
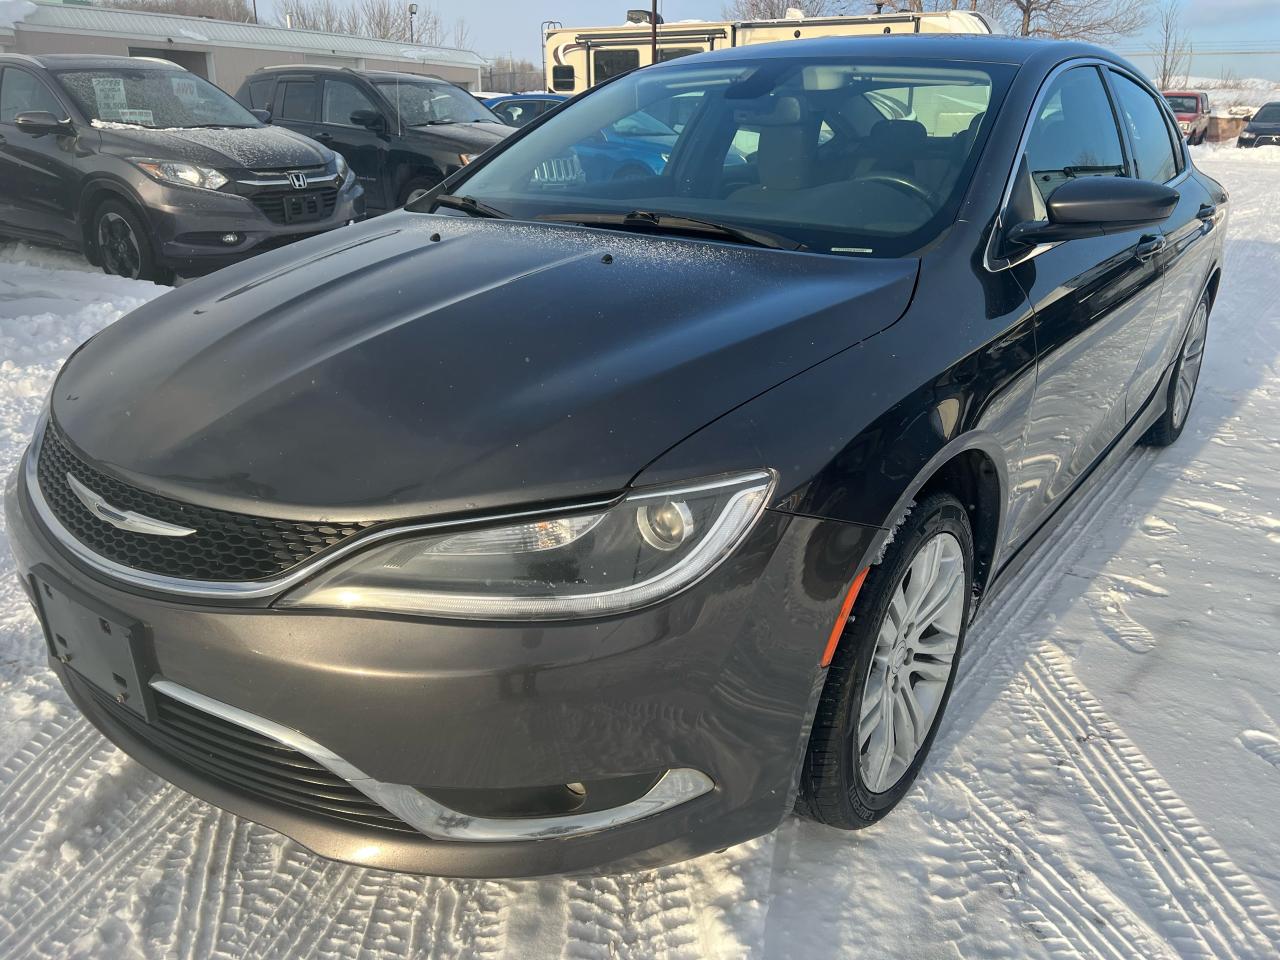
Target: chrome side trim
244 590
330 179
435 820
995 264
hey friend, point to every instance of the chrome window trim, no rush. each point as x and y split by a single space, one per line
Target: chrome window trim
995 264
433 819
256 589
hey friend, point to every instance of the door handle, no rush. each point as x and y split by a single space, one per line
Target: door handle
323 137
1149 246
1207 211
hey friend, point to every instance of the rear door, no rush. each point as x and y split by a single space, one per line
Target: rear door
364 149
1186 257
38 179
1095 298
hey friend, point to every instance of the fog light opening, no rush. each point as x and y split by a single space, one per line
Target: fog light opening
231 239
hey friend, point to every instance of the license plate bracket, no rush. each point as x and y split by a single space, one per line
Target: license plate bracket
102 645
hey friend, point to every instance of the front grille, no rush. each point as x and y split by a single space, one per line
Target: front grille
247 762
226 546
296 206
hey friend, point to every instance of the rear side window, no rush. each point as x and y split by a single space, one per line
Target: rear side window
298 100
1152 140
20 92
260 93
1074 133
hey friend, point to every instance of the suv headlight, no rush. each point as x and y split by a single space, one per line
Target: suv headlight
652 544
1248 135
185 174
342 168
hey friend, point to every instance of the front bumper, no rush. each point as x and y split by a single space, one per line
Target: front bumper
721 679
188 225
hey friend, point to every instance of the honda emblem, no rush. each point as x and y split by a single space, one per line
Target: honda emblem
298 179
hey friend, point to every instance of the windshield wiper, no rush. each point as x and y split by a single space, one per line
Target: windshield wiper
470 205
661 222
432 123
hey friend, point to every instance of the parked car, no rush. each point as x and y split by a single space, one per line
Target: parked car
546 526
148 169
401 133
517 109
1191 107
1264 129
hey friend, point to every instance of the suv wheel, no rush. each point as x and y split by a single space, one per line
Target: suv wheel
124 246
891 676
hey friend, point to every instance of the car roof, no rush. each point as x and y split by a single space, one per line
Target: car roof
978 48
349 71
63 61
529 96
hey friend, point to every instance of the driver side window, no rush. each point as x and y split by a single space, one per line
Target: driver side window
1074 134
20 92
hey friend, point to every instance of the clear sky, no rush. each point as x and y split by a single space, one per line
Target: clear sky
512 26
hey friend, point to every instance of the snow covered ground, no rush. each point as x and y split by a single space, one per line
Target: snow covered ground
1107 783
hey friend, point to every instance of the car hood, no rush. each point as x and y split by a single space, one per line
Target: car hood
464 137
254 148
420 365
1266 127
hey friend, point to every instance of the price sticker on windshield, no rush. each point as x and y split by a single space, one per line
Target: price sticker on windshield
112 101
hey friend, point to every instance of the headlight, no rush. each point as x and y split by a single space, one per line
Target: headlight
342 167
186 174
1247 135
654 543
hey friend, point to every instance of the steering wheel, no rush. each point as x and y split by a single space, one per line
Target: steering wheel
901 183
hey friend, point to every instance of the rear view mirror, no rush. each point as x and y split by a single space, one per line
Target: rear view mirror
371 119
1093 206
263 115
39 122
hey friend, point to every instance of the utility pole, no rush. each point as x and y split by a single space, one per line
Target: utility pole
413 12
653 32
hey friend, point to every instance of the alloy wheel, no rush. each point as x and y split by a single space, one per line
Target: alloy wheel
118 246
912 663
1189 364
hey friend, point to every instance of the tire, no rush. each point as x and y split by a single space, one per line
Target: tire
123 244
1182 385
415 188
835 786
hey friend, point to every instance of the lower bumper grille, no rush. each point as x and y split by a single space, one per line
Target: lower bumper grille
296 206
247 763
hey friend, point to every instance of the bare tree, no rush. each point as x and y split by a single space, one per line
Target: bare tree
236 10
324 15
1172 49
1097 20
380 19
777 9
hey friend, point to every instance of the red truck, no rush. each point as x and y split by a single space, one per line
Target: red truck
1192 110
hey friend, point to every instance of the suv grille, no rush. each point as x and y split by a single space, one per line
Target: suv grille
226 546
247 762
296 206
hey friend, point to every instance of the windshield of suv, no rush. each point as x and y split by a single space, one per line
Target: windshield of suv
1268 114
156 99
421 103
1184 104
853 158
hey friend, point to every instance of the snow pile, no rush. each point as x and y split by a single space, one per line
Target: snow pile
13 11
1104 784
1229 94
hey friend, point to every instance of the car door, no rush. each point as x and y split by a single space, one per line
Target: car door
1094 298
1186 258
297 105
37 170
365 149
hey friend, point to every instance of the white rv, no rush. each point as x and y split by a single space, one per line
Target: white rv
580 57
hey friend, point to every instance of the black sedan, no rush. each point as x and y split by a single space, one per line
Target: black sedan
549 524
150 170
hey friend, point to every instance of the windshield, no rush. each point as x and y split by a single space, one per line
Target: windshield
851 158
419 103
156 99
1184 104
1268 114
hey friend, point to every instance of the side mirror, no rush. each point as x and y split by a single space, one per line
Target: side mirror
1093 206
370 119
39 122
263 115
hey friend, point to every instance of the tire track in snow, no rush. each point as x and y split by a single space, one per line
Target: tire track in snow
1130 800
1262 745
1053 903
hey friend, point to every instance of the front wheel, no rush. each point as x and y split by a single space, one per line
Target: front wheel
124 244
892 673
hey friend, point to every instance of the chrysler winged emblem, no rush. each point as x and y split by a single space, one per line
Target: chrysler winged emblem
124 519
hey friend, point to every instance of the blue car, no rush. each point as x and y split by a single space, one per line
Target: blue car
634 147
